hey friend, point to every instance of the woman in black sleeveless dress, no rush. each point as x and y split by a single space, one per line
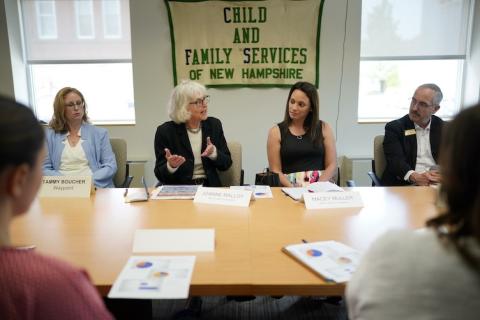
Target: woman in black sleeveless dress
302 142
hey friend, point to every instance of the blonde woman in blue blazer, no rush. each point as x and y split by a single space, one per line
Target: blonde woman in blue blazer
75 147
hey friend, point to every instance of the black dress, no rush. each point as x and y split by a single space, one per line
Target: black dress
298 153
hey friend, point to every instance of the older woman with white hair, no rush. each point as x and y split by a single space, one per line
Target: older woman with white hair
190 148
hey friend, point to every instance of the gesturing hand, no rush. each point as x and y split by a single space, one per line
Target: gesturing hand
174 160
209 149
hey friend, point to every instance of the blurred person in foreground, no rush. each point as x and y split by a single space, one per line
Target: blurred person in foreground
432 273
33 286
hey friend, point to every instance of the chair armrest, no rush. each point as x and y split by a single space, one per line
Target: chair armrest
375 181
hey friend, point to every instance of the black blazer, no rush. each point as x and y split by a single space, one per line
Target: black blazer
174 137
401 150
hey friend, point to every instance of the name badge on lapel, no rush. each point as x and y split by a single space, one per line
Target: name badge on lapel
410 132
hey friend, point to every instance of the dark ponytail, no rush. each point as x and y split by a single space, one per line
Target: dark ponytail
21 136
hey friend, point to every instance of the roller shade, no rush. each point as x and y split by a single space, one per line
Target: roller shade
414 28
81 30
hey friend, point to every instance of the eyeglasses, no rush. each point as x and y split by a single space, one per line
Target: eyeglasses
421 104
72 104
200 102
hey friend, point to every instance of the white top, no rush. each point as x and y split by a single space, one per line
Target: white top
412 275
196 143
424 151
74 161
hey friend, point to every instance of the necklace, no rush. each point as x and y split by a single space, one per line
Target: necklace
197 130
298 136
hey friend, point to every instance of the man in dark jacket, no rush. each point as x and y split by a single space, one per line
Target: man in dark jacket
411 143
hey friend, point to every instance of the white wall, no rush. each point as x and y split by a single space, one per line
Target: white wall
247 114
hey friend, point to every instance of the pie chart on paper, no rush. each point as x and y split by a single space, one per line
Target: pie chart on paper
314 253
143 264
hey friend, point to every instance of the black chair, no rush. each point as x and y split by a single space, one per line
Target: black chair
375 181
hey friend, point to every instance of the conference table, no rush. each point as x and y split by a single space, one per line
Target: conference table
97 234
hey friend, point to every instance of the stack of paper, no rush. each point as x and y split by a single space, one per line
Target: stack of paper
296 193
324 186
175 192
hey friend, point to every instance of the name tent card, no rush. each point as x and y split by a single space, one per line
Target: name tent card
66 187
221 196
323 200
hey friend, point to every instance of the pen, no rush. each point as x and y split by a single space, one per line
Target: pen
304 241
125 193
28 247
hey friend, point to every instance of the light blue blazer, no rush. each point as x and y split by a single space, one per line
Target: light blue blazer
98 151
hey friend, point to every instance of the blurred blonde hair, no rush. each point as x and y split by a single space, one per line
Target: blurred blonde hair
58 122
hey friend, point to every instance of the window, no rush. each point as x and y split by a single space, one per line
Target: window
111 19
84 19
407 43
46 19
100 68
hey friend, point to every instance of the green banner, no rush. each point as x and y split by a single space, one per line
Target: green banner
245 43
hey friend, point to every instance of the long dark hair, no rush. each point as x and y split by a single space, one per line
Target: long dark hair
21 136
459 156
312 124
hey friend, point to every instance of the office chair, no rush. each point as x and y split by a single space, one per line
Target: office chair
233 176
379 162
336 177
351 183
121 179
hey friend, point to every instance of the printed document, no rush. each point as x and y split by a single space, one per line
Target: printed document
154 277
168 192
332 260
